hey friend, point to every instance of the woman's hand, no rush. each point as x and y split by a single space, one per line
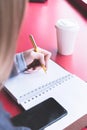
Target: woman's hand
34 60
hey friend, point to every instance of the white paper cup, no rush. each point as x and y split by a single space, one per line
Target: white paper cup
67 30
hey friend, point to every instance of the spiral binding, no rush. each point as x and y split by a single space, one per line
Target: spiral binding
44 89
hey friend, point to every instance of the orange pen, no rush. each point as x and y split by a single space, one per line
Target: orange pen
36 50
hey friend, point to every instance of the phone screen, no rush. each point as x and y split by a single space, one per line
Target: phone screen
40 116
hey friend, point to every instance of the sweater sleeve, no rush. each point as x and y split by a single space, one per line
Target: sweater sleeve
5 122
19 64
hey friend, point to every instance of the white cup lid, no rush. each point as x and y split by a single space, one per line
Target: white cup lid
67 24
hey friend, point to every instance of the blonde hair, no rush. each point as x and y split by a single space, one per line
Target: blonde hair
11 14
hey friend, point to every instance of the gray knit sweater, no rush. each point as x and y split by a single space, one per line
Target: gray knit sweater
18 67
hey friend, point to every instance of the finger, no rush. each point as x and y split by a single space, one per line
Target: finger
29 71
45 52
40 57
47 56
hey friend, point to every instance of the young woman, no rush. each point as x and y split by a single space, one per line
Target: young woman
11 15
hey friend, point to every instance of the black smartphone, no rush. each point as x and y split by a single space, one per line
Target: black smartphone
40 116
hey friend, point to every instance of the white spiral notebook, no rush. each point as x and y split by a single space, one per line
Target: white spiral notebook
31 89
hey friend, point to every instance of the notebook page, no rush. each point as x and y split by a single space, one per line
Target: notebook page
44 92
72 96
26 83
